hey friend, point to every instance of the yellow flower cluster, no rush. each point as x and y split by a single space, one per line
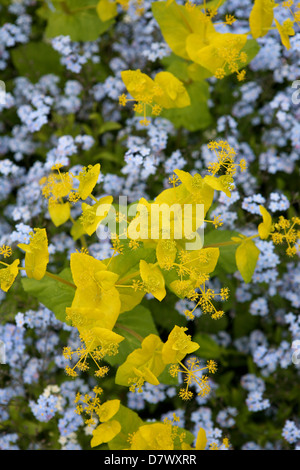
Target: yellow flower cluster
165 91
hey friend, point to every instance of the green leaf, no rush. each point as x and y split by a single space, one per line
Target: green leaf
251 48
196 116
127 266
246 257
53 294
133 326
35 59
109 126
75 18
226 259
215 3
173 24
261 17
130 422
176 66
209 349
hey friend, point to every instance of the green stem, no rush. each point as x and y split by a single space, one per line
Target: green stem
133 333
60 279
83 242
230 242
130 276
221 244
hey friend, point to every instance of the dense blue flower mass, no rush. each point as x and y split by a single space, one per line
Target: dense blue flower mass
61 109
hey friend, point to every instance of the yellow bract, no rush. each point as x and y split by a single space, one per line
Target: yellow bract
178 346
172 92
108 340
153 279
106 9
191 34
264 229
107 410
166 253
198 189
96 303
201 261
143 364
222 183
88 178
37 256
8 275
285 30
216 50
153 436
138 84
165 91
59 212
93 215
200 442
105 432
261 17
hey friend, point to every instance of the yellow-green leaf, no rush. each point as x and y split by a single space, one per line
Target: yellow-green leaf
246 257
264 228
261 17
106 10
